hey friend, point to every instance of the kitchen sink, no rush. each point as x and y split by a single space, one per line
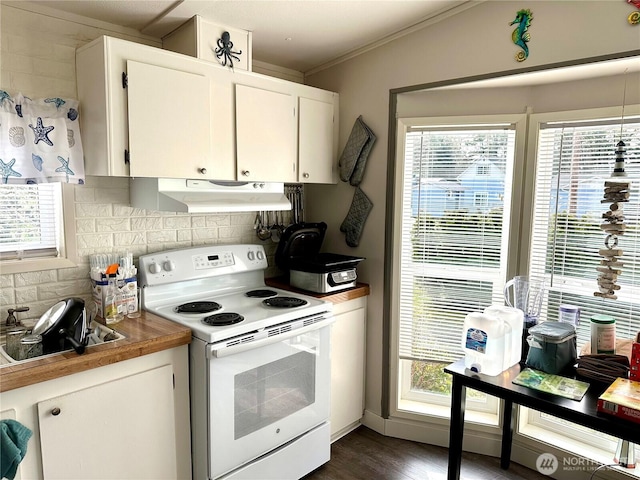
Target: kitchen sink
99 334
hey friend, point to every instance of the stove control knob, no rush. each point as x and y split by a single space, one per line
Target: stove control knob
260 255
155 268
251 256
168 266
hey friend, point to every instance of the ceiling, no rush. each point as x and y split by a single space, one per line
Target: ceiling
297 34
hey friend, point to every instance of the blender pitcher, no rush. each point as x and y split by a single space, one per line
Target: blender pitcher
525 294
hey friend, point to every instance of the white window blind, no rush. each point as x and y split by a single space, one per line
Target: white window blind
573 160
30 219
454 227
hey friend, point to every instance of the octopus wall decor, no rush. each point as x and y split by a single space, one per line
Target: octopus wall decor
521 35
224 51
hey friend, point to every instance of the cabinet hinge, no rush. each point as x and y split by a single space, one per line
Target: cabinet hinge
127 158
125 80
174 381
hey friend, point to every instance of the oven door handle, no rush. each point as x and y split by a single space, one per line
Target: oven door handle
217 352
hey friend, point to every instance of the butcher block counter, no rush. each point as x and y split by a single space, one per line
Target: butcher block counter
144 335
360 290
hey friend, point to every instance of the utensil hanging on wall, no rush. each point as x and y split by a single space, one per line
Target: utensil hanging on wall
262 232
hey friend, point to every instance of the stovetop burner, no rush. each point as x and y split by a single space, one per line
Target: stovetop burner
284 302
262 293
198 307
223 319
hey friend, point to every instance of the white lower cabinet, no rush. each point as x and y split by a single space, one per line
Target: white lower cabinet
348 336
121 421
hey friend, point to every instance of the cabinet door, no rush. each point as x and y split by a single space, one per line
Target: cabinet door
315 141
265 135
347 371
169 122
122 429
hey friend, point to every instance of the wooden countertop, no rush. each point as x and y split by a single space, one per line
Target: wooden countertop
360 290
144 335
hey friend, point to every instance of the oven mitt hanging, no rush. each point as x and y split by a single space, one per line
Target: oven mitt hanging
355 153
353 223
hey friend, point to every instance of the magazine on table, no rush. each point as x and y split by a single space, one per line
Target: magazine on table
554 384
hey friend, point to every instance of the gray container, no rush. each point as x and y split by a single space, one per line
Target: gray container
552 346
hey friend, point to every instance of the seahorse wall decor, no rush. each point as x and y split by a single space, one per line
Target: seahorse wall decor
634 17
520 35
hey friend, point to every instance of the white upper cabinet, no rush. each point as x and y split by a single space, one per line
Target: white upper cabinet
286 132
169 122
266 135
164 118
316 150
148 112
203 39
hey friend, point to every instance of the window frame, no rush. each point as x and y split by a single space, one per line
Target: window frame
532 421
67 256
437 407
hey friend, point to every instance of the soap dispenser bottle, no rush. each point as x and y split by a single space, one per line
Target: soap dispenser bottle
113 303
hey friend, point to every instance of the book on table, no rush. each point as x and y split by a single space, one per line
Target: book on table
622 399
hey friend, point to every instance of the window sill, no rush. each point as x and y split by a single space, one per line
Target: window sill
570 447
34 265
443 411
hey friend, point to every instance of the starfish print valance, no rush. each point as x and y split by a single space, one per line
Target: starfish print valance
39 140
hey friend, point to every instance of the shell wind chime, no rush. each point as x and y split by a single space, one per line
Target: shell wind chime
616 193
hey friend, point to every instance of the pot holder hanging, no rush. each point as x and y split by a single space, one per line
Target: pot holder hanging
353 223
354 156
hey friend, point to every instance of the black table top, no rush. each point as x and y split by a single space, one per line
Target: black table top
583 412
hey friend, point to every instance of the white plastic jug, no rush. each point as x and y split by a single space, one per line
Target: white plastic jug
483 343
514 320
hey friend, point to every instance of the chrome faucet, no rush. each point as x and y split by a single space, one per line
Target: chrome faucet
12 321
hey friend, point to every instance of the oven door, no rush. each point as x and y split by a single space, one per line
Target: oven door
265 395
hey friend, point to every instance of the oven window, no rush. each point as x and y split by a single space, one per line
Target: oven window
273 391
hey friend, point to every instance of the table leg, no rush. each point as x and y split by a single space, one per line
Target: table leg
508 423
456 428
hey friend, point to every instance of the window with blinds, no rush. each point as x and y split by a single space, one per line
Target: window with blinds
573 161
456 195
30 219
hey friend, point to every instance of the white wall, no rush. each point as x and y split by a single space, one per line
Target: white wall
474 42
38 59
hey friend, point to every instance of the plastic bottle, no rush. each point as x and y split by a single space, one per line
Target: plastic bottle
483 342
569 314
513 319
113 302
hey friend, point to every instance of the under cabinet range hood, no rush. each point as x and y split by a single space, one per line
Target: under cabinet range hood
204 196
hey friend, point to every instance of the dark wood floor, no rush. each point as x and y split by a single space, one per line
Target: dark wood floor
366 455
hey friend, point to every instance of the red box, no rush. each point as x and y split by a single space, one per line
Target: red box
621 399
634 372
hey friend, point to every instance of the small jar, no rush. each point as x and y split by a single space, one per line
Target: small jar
30 347
603 334
569 314
13 341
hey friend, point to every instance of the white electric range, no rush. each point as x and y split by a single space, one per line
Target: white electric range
259 361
